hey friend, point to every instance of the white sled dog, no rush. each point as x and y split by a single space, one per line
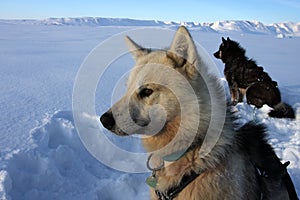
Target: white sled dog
169 100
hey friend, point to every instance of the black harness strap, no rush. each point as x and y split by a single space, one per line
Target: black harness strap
174 191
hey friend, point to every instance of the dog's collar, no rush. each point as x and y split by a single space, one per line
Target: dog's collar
174 156
174 191
167 158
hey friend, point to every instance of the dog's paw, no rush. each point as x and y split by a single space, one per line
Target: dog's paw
234 102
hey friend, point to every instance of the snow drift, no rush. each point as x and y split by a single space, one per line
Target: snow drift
59 167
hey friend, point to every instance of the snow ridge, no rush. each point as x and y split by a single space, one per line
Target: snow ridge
227 26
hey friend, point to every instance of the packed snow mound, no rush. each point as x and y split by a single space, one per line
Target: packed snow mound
228 26
59 167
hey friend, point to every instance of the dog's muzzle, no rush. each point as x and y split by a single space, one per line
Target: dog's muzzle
217 54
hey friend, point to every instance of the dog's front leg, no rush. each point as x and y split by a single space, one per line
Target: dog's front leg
234 90
241 93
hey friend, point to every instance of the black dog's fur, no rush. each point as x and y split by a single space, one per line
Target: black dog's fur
244 77
275 182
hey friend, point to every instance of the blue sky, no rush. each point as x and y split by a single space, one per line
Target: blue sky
267 11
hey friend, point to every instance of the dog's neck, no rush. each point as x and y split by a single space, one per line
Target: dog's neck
172 173
191 161
176 162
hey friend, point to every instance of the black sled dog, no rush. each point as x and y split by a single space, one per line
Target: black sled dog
244 77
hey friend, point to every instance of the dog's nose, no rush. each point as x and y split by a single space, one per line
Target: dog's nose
108 120
216 54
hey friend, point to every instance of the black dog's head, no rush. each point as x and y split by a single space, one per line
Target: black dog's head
229 50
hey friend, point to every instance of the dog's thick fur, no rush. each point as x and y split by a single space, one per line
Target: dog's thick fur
244 77
229 170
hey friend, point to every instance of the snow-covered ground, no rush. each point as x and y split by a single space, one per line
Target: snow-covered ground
41 154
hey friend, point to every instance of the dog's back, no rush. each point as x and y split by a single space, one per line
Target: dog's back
245 73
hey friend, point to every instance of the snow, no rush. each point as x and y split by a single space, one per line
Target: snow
41 153
59 167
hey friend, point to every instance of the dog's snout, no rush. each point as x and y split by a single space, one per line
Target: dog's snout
216 54
108 120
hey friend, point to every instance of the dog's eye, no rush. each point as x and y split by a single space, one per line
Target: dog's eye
146 92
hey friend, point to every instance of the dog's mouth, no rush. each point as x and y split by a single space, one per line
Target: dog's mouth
118 132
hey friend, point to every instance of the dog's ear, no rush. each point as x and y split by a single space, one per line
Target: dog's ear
228 39
136 50
223 40
184 51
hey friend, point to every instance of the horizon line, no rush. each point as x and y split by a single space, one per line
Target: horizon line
140 19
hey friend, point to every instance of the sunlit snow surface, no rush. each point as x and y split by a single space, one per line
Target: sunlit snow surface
42 156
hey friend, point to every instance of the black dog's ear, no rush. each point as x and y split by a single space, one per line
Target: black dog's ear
228 39
223 40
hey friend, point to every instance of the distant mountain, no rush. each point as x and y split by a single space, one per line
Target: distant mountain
253 27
